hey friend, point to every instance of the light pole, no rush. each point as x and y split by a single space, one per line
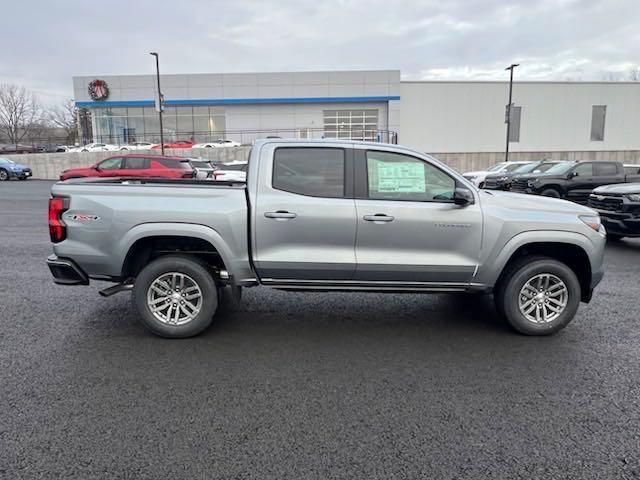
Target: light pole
159 100
508 119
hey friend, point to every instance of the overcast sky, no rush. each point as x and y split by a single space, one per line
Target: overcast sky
44 43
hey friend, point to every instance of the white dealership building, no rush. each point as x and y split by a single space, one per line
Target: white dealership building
450 118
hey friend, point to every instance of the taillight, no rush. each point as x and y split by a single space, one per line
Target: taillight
57 228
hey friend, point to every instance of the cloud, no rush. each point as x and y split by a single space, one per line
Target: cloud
46 43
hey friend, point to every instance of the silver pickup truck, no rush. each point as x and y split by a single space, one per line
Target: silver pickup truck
329 216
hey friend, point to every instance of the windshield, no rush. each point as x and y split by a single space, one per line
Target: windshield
495 168
514 167
6 160
560 168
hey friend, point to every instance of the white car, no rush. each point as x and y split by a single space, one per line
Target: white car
138 146
233 172
96 147
220 143
477 178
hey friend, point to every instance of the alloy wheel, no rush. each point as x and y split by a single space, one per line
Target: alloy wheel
174 298
543 298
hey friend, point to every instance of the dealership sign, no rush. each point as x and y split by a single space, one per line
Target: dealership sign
98 90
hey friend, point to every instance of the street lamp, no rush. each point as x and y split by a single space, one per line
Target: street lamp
159 100
508 117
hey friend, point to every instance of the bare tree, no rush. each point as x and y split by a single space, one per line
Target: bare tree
634 74
65 116
20 112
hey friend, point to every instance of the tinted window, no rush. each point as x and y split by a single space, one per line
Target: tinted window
631 169
238 166
604 169
111 164
136 163
318 172
169 163
393 176
584 169
513 167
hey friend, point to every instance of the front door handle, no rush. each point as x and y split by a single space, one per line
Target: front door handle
379 217
280 215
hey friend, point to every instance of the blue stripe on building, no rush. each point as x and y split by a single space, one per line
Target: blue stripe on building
238 101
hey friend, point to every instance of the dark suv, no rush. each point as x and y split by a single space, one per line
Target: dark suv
502 181
573 180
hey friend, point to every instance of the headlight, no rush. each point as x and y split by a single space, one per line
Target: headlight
592 221
634 197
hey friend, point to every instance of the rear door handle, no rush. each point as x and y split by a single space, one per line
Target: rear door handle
379 217
280 215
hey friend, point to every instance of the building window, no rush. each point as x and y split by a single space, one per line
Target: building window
126 125
598 116
514 128
351 124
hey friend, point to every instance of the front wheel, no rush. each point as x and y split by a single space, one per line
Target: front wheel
4 176
176 296
538 295
551 192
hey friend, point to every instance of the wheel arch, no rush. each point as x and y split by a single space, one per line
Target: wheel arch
149 241
570 248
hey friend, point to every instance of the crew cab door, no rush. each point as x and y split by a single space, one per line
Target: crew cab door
409 228
581 182
304 220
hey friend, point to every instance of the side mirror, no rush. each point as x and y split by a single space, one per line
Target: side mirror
463 197
573 175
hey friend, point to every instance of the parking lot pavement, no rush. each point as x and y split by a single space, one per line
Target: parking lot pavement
308 385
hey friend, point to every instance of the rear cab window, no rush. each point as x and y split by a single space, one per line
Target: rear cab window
311 171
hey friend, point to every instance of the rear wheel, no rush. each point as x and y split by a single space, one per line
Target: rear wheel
538 295
175 296
551 192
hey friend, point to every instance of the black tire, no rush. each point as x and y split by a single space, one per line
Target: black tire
481 185
4 175
200 274
507 294
551 192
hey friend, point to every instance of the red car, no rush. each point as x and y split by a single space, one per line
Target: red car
152 166
178 144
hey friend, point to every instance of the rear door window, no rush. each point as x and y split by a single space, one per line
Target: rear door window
136 163
606 169
316 172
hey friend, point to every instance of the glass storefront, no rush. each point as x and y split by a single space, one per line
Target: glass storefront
141 124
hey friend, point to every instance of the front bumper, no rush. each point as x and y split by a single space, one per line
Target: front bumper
623 224
66 272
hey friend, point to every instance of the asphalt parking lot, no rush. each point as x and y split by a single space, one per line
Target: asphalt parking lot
308 385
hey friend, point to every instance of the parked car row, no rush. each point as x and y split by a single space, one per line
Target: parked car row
610 188
158 166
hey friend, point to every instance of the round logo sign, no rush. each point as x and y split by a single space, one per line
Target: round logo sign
98 90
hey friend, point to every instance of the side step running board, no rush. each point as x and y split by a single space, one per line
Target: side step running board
120 287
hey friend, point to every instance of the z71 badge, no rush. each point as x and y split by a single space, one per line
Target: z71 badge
82 217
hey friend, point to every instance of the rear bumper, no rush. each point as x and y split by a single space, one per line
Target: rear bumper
66 271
